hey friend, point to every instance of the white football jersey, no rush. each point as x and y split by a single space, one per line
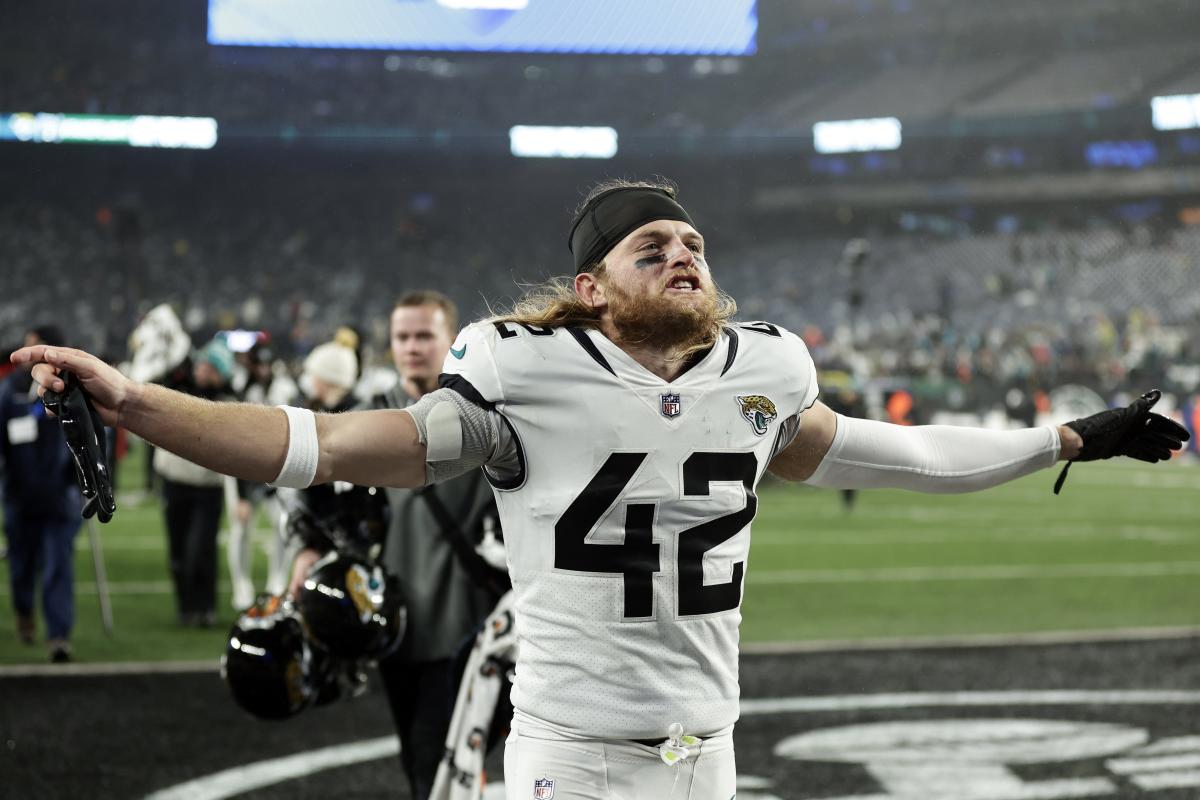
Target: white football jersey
628 525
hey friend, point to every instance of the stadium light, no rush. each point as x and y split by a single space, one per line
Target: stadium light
857 135
542 141
1175 112
191 133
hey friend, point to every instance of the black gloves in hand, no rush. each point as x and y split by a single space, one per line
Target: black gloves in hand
84 433
1132 431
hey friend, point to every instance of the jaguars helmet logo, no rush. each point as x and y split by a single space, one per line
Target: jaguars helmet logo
758 410
363 589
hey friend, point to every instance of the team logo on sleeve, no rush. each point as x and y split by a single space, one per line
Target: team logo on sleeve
758 410
543 789
669 405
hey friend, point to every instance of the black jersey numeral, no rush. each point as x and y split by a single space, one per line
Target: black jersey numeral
763 328
637 558
699 471
537 330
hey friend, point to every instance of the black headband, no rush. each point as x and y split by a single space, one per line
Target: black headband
611 216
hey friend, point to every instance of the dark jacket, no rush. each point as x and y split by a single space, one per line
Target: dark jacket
445 604
36 464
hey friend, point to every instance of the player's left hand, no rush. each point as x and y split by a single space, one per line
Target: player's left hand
1133 431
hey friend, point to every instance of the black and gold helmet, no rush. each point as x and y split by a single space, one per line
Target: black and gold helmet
269 665
352 608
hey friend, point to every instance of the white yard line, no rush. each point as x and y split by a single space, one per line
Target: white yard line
248 777
972 573
859 702
972 640
972 533
806 576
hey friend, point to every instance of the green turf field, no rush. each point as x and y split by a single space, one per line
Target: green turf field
1120 548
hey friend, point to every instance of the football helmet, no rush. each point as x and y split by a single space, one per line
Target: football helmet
270 667
341 516
351 607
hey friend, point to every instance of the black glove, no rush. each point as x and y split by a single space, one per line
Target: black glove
84 433
1132 431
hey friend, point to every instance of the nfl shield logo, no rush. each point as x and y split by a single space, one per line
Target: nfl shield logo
543 789
670 405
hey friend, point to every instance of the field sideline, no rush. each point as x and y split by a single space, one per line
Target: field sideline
1119 549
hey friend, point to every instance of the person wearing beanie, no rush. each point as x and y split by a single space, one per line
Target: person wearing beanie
215 357
41 508
330 372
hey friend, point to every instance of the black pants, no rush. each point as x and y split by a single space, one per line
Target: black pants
421 696
193 516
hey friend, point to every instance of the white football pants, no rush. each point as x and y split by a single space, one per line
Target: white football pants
540 764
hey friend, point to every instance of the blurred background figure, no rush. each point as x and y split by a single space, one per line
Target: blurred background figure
327 382
192 495
845 399
265 380
431 546
430 539
41 508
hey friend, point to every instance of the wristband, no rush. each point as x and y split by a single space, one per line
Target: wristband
303 452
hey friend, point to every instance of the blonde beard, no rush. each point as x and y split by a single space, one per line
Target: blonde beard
661 322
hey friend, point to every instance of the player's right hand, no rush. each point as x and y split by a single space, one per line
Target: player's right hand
109 389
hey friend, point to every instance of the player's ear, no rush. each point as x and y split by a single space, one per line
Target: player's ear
590 291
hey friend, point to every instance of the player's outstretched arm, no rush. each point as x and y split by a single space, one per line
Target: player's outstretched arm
243 440
841 452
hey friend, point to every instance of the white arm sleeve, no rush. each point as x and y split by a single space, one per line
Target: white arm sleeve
941 459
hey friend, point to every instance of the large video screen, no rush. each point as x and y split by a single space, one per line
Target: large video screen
666 27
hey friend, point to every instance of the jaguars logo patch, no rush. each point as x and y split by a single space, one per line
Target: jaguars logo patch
758 410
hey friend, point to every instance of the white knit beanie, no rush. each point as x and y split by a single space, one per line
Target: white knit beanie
334 364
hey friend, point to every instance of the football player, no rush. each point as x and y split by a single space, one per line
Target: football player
624 422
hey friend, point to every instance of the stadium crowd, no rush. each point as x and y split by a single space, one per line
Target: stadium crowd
813 60
1105 305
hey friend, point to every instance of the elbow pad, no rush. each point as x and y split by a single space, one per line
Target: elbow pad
942 459
458 435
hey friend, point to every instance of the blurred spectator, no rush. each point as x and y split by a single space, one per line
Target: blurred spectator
432 546
192 497
263 380
41 507
330 372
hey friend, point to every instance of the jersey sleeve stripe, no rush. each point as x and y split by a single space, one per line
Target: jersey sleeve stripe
733 348
515 481
464 387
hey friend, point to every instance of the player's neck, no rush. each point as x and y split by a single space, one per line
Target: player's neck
663 362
